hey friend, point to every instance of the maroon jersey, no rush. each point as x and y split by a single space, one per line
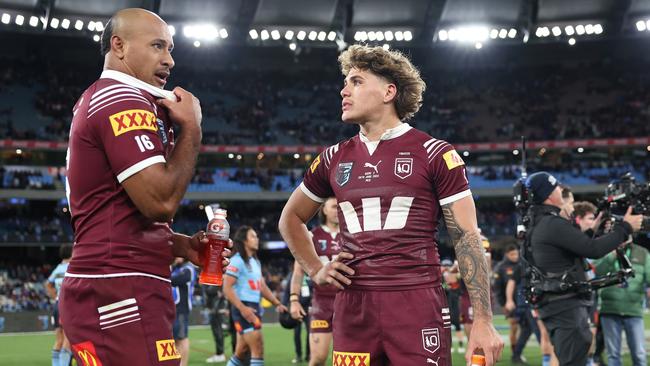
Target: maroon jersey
327 246
116 131
389 197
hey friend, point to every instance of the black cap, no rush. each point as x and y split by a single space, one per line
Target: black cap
286 321
541 185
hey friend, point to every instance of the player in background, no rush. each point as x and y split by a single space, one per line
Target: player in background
452 290
61 353
184 279
325 238
127 174
244 286
392 182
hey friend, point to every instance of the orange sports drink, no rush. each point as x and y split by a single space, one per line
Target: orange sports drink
218 233
478 360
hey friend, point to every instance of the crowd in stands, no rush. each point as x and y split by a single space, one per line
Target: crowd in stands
22 287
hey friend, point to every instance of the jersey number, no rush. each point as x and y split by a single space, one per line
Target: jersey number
396 219
144 143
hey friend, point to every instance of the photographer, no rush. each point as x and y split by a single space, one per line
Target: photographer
558 250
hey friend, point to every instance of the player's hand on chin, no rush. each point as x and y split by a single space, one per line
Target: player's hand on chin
484 337
334 272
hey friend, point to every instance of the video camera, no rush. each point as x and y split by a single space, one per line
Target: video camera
623 193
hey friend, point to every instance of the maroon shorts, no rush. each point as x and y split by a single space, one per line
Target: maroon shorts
382 328
119 321
466 311
321 312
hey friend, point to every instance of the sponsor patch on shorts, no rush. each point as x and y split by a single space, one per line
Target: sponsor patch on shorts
85 351
167 350
351 359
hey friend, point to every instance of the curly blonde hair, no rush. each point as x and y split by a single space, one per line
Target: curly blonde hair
392 66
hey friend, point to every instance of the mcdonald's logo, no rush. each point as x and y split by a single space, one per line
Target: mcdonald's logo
86 354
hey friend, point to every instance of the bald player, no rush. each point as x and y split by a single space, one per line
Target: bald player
126 176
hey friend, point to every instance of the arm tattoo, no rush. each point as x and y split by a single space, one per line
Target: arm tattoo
471 261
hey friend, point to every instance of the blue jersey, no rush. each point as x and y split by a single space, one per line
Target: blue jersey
56 277
183 280
249 278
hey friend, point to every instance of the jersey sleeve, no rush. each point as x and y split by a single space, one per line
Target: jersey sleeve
235 267
128 129
316 183
53 275
448 170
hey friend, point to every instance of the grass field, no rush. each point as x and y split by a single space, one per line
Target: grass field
33 349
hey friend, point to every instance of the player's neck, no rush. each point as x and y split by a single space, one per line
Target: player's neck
374 129
332 227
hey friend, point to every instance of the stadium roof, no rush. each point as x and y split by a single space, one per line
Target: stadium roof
335 22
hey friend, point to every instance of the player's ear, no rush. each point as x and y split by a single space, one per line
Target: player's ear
391 93
117 46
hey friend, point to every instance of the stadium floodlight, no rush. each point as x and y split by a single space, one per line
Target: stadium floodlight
473 34
20 20
503 33
197 44
253 34
388 36
172 30
379 36
581 150
321 36
296 156
206 32
640 26
512 33
223 33
466 153
99 26
33 21
569 30
515 152
331 36
371 36
6 18
589 29
79 25
91 26
312 35
54 22
598 28
288 35
96 38
556 31
572 41
386 46
301 35
65 23
478 45
292 46
275 34
231 155
647 24
580 29
453 34
357 36
442 35
494 33
538 32
408 36
264 35
399 36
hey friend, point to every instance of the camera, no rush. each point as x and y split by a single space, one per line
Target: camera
626 192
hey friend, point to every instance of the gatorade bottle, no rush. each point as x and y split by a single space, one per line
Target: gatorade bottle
478 360
218 232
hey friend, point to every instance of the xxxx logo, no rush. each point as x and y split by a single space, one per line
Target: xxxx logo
351 359
133 119
317 324
86 353
167 350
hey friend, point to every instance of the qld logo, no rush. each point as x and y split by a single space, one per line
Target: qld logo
343 173
431 339
403 167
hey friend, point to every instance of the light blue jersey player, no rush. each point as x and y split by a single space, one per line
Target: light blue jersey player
61 353
249 277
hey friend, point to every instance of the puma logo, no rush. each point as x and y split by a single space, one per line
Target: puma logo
432 361
368 165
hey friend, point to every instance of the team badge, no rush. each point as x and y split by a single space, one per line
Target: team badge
343 173
403 167
431 339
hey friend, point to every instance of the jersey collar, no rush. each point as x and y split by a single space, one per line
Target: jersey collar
130 80
390 133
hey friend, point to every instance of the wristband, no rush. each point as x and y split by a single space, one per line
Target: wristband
294 300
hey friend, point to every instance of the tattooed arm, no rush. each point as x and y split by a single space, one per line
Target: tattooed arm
460 218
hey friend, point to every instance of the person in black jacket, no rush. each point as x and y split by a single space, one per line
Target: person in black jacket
558 250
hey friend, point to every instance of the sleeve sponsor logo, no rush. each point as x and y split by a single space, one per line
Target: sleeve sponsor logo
351 358
232 269
133 119
452 159
167 350
85 352
319 324
314 164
